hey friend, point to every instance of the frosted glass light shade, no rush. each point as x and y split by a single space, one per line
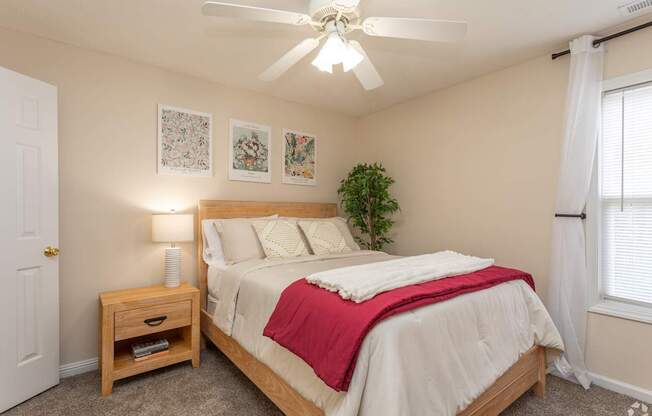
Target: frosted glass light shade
335 51
172 228
323 65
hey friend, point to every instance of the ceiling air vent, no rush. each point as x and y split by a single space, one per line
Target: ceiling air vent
636 8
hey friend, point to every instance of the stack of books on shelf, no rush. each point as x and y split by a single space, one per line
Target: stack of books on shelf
147 350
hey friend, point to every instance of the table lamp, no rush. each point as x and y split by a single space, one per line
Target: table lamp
172 228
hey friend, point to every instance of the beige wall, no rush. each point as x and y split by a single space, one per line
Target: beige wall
476 171
475 164
108 181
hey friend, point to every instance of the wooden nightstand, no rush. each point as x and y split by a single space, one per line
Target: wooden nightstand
136 315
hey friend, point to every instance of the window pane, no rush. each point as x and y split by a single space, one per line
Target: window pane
638 142
627 250
626 172
611 156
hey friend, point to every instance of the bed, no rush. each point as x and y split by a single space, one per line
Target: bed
291 387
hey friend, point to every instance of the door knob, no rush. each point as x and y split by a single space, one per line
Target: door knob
51 251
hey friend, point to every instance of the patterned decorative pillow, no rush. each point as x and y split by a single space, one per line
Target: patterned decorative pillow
324 237
280 238
341 225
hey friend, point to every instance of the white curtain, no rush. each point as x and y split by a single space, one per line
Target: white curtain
567 297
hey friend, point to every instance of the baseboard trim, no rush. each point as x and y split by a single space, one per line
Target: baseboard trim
636 392
618 386
79 367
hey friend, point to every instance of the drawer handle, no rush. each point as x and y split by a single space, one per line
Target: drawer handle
155 321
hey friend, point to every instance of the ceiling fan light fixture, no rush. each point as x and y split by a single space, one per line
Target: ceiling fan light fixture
333 49
337 51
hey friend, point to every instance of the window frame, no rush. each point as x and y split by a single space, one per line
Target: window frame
598 303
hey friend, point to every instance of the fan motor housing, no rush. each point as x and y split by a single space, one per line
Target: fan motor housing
327 10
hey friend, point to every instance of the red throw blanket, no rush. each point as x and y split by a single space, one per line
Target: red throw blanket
327 331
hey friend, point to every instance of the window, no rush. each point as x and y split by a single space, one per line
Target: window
624 188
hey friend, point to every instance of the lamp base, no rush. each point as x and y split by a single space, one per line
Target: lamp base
172 267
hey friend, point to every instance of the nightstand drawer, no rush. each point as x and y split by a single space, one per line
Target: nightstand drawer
143 321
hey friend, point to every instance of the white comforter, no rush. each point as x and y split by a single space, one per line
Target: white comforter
434 360
364 281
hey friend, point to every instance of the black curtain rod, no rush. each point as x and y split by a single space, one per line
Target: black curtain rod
597 42
581 216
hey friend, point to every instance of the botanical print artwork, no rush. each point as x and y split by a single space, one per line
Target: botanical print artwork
184 142
250 152
300 158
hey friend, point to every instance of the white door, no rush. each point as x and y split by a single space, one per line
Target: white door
29 213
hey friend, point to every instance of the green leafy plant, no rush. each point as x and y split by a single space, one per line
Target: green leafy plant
365 198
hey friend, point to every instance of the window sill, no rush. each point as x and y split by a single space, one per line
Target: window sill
623 310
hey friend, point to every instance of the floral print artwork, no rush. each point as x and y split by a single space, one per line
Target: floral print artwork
250 152
184 142
299 164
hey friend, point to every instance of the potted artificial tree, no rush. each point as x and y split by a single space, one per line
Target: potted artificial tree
366 200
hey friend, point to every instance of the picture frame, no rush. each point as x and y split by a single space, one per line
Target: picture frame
299 158
184 142
250 152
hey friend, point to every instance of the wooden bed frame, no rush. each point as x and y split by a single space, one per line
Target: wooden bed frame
529 372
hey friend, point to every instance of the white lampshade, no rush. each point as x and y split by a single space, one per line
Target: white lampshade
172 228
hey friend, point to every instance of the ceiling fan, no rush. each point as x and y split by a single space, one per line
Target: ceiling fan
333 20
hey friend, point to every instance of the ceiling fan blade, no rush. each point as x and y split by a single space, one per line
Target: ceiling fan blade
287 61
414 28
365 71
219 9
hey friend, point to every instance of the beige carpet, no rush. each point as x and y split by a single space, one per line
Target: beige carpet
218 388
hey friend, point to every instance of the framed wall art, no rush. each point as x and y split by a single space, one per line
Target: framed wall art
250 152
184 142
299 158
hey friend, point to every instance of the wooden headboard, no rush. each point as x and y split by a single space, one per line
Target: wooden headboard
248 209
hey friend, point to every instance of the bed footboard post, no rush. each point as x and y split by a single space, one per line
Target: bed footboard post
540 388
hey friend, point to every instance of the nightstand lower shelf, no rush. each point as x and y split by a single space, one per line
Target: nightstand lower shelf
125 366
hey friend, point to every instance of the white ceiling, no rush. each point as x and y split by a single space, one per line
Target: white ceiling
174 34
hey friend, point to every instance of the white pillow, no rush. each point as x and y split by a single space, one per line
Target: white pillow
239 241
324 237
280 238
213 253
